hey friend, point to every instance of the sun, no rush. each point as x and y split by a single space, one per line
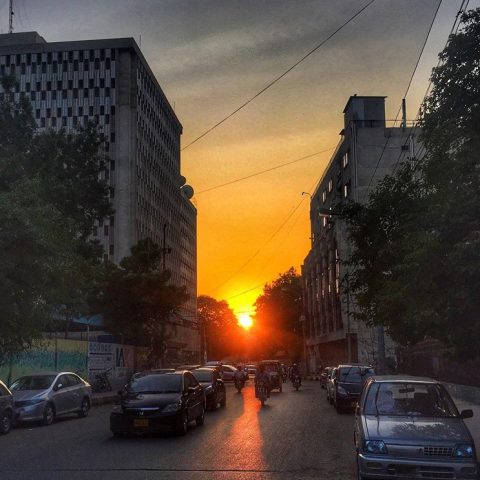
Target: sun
245 321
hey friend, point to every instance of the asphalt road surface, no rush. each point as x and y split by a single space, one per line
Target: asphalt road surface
296 436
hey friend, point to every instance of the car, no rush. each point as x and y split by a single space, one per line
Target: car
158 402
6 409
274 370
228 373
324 377
153 370
347 385
330 386
188 367
409 427
251 369
45 396
213 363
213 385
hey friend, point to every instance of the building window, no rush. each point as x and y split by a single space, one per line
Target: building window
346 190
345 159
110 250
324 196
330 185
105 230
324 221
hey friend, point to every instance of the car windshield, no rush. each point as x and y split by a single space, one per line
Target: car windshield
409 399
354 374
166 383
203 375
34 382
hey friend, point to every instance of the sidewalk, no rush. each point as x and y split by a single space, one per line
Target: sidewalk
103 398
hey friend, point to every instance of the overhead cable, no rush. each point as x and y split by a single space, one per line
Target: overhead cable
274 81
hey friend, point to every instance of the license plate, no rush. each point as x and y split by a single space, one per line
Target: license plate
140 422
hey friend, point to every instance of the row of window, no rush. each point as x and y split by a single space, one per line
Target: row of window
58 57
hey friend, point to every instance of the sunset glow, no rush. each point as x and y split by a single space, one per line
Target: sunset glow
245 321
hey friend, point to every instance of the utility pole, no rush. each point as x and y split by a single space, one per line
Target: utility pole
10 17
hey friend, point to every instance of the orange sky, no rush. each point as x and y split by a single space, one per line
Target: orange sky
210 56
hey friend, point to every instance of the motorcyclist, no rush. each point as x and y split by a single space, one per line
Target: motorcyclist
295 372
240 374
262 377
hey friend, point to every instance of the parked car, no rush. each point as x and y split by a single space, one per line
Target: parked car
409 427
213 385
213 363
6 409
187 367
274 369
251 369
153 370
155 402
331 384
348 384
44 396
324 376
228 372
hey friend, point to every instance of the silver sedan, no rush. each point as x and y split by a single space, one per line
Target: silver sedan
43 396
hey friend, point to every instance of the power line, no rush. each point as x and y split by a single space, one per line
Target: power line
264 171
273 82
455 27
404 96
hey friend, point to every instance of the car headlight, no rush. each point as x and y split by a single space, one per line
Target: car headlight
172 407
341 391
375 446
464 451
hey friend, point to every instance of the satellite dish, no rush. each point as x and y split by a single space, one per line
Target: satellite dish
182 180
188 191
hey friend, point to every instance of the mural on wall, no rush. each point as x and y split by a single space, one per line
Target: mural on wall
49 355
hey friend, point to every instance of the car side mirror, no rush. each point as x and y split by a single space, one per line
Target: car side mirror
58 387
466 413
191 390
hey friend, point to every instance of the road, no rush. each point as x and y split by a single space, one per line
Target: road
296 436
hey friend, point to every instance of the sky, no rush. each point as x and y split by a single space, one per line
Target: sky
211 56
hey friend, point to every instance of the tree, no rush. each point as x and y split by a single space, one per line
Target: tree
277 315
137 300
416 260
50 196
220 330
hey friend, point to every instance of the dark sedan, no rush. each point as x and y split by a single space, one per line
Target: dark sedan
409 427
6 409
213 385
153 403
348 384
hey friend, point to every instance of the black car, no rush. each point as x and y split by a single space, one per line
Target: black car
6 409
348 385
156 402
213 385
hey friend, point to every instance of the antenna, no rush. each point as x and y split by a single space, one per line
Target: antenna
10 17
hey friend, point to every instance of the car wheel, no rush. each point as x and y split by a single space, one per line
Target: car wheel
338 408
84 409
223 403
200 420
48 414
5 423
183 425
214 402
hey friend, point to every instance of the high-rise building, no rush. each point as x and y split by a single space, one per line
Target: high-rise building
369 150
109 82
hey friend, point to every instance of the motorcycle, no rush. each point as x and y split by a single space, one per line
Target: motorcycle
102 382
262 393
239 384
296 381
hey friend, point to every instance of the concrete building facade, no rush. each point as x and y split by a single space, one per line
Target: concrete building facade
110 82
367 152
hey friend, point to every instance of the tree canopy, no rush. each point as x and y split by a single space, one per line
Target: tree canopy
416 260
278 310
50 197
138 301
